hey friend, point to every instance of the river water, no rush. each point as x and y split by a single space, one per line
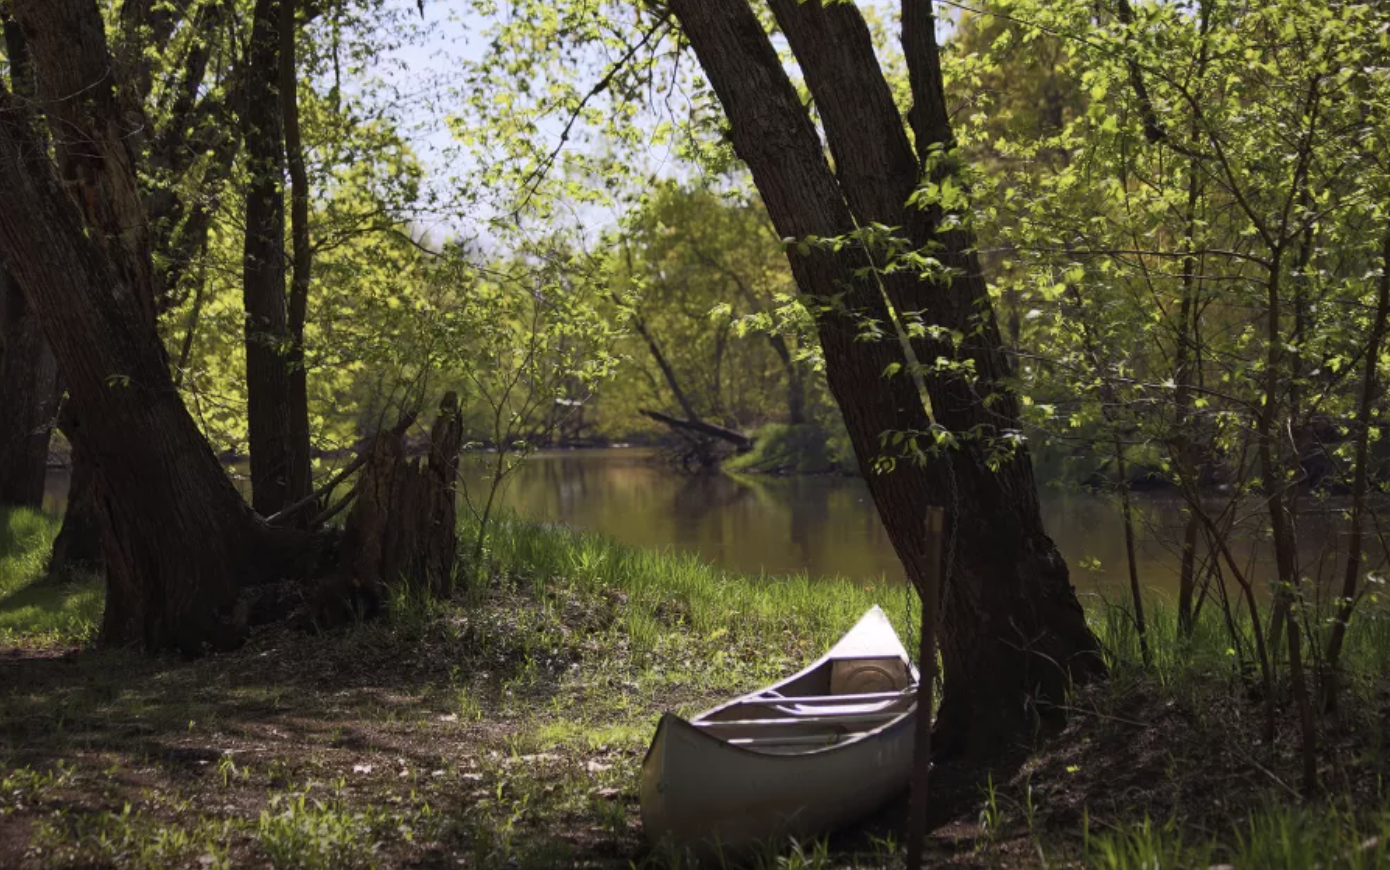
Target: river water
827 526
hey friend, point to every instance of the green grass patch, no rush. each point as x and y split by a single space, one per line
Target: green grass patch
26 537
662 593
779 448
33 611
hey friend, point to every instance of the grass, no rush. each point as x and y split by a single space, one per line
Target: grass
661 591
505 727
779 448
33 613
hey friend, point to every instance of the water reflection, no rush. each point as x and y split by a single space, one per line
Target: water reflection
826 526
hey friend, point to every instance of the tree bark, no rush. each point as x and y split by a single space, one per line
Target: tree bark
404 523
268 338
300 467
78 546
28 373
28 399
1014 632
180 540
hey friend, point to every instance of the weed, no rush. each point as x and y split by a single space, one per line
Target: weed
991 814
131 840
24 786
298 832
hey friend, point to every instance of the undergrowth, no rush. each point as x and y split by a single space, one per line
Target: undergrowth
504 727
780 448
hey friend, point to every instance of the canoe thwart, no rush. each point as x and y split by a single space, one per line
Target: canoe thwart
798 740
807 700
798 720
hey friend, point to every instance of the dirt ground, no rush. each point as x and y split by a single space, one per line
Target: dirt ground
512 738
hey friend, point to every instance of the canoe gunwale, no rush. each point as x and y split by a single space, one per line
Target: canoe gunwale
671 720
892 648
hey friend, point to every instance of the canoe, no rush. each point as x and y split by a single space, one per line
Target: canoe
818 751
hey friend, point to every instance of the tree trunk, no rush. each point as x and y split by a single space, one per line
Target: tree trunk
268 340
28 399
796 394
1014 632
300 467
78 547
740 441
404 524
1185 377
180 540
1360 484
28 374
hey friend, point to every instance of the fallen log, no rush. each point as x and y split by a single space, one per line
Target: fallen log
740 441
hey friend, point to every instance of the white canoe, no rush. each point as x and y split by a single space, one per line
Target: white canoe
818 751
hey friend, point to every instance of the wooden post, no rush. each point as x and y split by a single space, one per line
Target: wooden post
926 662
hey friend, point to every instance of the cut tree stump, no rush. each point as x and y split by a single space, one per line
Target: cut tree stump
403 528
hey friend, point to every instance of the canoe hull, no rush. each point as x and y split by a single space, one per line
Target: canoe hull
820 750
700 791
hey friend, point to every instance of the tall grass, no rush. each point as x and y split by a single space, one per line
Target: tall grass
662 588
26 536
1218 648
1276 838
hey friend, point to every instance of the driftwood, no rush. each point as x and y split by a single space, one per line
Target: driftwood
403 524
740 441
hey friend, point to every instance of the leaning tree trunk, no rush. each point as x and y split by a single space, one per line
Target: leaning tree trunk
1014 630
181 542
1014 633
268 341
28 399
184 536
28 373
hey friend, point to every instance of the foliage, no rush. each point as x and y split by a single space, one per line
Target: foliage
806 449
719 335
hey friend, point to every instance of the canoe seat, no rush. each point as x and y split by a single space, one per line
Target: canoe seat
837 709
771 699
867 675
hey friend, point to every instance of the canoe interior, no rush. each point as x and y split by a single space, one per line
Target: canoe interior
874 692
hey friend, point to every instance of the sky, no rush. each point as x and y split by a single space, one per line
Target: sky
422 71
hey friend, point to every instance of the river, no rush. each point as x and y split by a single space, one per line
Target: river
827 527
